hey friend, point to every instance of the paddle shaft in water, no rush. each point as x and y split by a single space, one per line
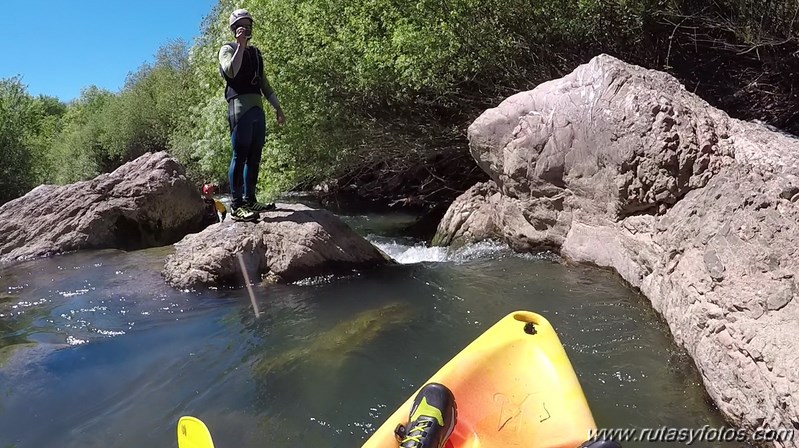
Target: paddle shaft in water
249 285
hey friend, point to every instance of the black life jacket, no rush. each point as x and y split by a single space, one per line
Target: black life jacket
248 78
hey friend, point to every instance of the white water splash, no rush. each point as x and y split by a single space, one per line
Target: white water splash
111 333
77 292
27 304
405 253
316 281
71 340
485 249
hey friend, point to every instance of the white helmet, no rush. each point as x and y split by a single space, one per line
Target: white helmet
238 15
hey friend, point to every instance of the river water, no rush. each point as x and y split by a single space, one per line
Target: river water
95 351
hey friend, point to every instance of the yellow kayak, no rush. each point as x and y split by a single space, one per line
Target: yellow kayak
192 433
513 386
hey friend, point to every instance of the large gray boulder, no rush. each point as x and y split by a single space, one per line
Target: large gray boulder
288 244
621 167
144 203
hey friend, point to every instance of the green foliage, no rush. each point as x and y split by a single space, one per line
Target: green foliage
362 81
366 80
16 110
145 113
78 152
48 122
27 126
360 78
102 130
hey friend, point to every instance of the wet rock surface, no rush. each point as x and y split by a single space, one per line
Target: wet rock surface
621 167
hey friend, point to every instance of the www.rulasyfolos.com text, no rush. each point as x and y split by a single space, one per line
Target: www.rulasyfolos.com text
689 436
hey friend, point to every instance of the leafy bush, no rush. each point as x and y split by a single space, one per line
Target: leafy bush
16 109
143 115
369 80
78 152
101 130
27 127
380 84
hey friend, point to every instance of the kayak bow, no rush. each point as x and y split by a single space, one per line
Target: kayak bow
513 386
192 433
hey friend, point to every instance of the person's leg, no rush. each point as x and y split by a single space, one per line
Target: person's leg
258 127
240 138
236 168
235 173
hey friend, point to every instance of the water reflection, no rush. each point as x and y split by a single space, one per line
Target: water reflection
325 363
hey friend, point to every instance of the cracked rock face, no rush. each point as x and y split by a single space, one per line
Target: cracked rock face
288 244
620 167
147 202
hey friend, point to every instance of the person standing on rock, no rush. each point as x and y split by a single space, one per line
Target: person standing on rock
242 67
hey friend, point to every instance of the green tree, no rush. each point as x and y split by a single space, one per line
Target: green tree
49 118
27 126
145 113
370 85
16 110
78 152
368 81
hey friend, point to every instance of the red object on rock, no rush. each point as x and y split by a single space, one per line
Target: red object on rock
209 189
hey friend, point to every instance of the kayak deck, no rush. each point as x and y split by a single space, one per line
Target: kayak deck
513 386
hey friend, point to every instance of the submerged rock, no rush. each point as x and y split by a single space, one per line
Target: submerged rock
144 203
621 167
330 348
17 360
7 352
288 244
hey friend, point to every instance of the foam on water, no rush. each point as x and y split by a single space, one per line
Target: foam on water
406 252
72 340
410 254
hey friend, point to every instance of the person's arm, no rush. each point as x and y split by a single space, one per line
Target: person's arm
266 89
229 59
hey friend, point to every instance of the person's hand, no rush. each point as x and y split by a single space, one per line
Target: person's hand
281 119
241 36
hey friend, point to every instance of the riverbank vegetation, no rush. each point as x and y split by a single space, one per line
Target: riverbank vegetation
378 93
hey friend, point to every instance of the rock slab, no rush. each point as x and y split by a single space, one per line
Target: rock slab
621 167
144 203
288 244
